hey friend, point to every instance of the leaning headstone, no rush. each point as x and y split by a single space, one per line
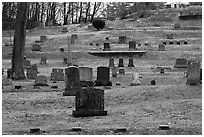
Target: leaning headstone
103 77
41 80
111 62
181 63
161 47
43 38
122 40
106 47
6 82
89 102
26 64
114 71
193 71
86 75
132 45
121 63
43 60
36 47
131 63
135 81
72 81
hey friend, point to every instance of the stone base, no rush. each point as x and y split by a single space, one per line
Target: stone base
102 83
88 113
180 66
86 83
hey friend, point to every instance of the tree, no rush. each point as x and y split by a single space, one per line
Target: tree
19 42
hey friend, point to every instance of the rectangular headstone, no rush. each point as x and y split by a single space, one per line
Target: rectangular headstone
6 82
193 71
181 63
41 81
26 64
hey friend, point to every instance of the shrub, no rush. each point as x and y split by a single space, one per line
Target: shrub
98 24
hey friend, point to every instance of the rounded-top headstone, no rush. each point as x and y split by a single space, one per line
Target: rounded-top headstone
85 73
106 47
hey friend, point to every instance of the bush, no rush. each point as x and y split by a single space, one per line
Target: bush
98 24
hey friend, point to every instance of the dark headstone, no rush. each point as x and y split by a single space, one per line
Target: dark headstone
41 81
170 36
201 75
97 44
121 71
132 45
131 63
171 42
57 75
61 49
193 71
103 77
185 42
161 47
91 44
153 82
107 38
89 102
111 62
65 60
178 43
43 60
35 130
164 43
72 80
181 63
163 127
18 87
120 63
64 30
122 40
73 38
36 47
106 47
9 73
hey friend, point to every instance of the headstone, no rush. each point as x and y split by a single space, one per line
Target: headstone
57 75
177 26
107 38
61 49
132 45
43 38
89 102
26 64
120 63
86 76
64 30
97 44
73 38
122 40
114 71
161 70
6 82
9 73
34 67
41 80
131 63
72 81
201 75
161 47
43 60
193 70
171 42
181 63
65 61
122 71
36 47
178 42
153 82
170 36
31 74
2 71
164 43
185 42
111 62
135 81
106 47
103 77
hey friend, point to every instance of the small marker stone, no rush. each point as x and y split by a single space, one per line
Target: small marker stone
76 129
35 130
164 127
122 129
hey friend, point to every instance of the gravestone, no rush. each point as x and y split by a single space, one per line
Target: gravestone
64 30
161 47
170 36
153 82
34 67
114 71
2 71
43 60
57 75
131 63
86 75
31 74
43 38
103 77
65 61
171 42
9 73
36 47
161 70
132 45
6 82
73 38
181 63
135 81
89 102
201 75
41 80
122 40
106 47
178 42
193 71
111 62
164 43
26 64
107 38
122 71
72 81
61 49
120 63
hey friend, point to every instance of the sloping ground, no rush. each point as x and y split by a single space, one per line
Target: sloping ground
140 109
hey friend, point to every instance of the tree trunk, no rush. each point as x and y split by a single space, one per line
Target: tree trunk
80 14
94 11
19 42
87 12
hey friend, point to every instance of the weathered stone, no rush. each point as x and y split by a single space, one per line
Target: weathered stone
57 75
89 102
64 30
170 36
122 71
111 62
161 70
181 63
34 67
6 82
72 81
43 38
106 47
73 38
161 47
61 49
131 63
193 71
43 60
26 64
31 74
122 40
41 80
103 77
9 73
120 63
114 71
36 47
86 75
136 81
132 45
